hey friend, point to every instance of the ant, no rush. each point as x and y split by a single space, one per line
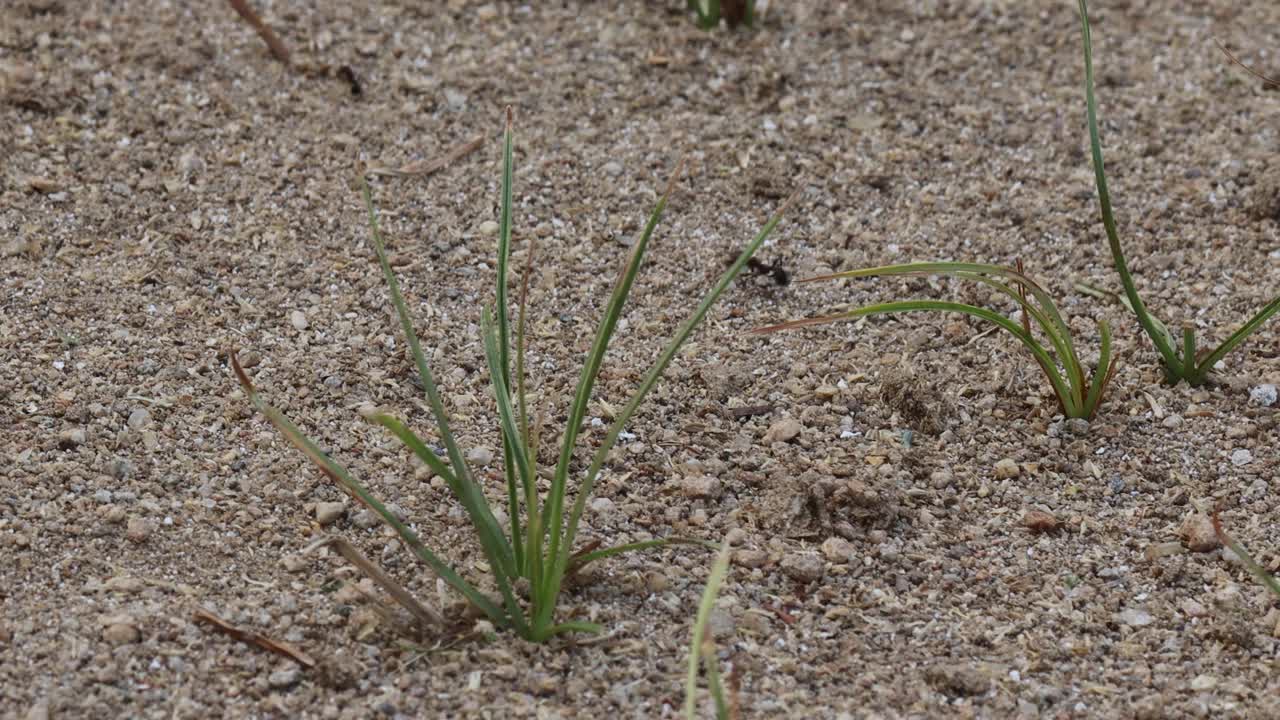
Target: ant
778 274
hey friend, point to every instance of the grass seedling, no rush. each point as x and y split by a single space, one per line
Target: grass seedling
735 12
1078 395
702 649
1250 564
1182 362
531 558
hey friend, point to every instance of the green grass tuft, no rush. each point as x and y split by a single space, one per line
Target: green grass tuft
1181 360
1079 395
529 560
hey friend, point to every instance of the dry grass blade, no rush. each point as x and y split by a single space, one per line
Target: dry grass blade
1250 564
1246 68
273 41
422 613
250 637
423 168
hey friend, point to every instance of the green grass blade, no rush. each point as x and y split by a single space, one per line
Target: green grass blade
1237 337
415 348
560 554
1070 407
352 487
1162 342
719 570
581 560
504 251
553 513
1047 306
513 445
494 544
1252 565
1101 374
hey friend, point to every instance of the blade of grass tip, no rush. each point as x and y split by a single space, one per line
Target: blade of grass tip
1254 568
580 560
344 480
1102 373
553 511
1239 336
560 554
977 271
1165 348
504 249
492 541
719 570
411 338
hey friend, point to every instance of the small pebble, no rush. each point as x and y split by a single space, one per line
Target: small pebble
1264 395
120 634
748 558
489 228
328 513
294 563
803 566
1135 617
139 529
1039 521
1241 457
281 679
366 519
602 505
71 438
613 168
139 419
837 550
701 487
480 455
1204 682
298 320
1172 421
1006 469
785 430
1198 535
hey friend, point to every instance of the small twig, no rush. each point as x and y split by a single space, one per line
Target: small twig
1247 69
273 41
279 647
419 611
423 168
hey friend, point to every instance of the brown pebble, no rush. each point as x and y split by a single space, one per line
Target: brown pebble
328 513
785 430
1039 521
1198 535
120 634
139 529
750 558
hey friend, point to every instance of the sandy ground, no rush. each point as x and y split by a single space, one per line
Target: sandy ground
168 192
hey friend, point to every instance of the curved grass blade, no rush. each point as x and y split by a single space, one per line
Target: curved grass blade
581 560
553 510
1162 340
560 554
344 480
1101 374
411 338
1252 565
1237 337
719 570
1060 388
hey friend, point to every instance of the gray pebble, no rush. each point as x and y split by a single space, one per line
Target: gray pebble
328 513
803 566
139 419
281 679
480 455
